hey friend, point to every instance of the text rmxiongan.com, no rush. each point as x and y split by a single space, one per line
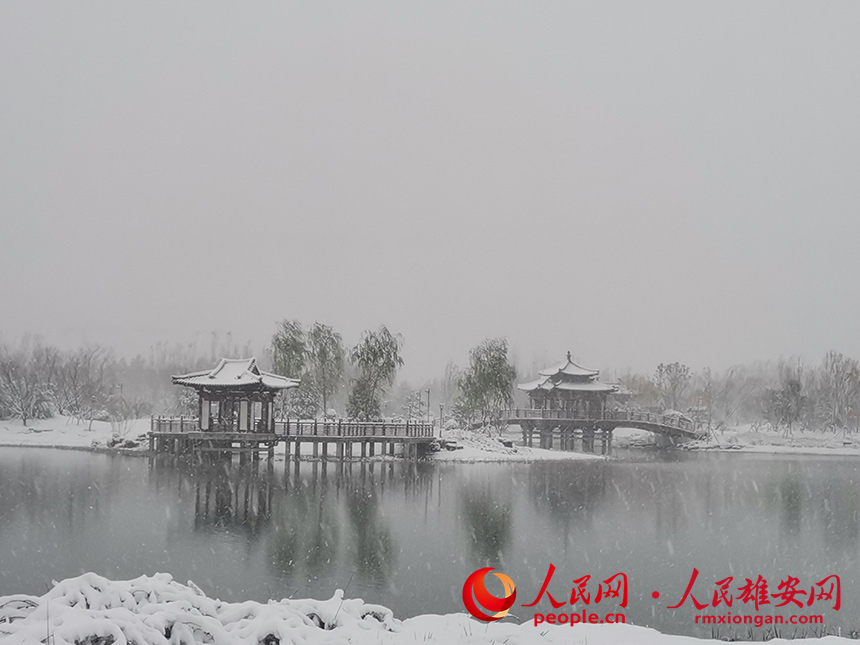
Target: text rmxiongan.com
758 620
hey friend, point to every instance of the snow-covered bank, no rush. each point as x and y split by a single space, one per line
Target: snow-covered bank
157 610
749 438
64 432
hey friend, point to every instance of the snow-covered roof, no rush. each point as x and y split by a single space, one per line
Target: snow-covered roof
568 376
546 383
236 373
590 386
568 368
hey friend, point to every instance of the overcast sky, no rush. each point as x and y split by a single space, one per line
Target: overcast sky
634 181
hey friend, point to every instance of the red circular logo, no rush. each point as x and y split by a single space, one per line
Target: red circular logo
475 590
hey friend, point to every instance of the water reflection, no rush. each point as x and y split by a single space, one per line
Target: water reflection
302 511
375 551
791 496
405 534
838 504
305 532
487 523
227 498
568 496
46 496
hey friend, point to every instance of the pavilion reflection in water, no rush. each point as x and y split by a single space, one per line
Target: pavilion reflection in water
306 514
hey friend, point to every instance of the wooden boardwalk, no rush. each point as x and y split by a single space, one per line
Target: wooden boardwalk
182 436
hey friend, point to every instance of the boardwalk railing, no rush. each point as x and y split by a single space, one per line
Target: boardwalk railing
347 428
309 428
174 424
665 420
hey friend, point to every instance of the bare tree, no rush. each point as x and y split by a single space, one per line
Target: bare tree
735 390
835 390
643 391
23 391
672 381
783 406
82 383
705 393
414 404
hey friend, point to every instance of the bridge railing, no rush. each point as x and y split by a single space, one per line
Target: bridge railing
308 427
666 420
174 424
347 428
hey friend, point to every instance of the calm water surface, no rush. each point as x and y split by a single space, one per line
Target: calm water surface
407 535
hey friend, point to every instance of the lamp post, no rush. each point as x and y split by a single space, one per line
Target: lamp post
428 405
440 419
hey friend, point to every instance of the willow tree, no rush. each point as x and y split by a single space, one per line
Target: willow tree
377 358
289 349
486 386
325 361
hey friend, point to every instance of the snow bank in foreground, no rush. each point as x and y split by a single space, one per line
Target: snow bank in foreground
159 611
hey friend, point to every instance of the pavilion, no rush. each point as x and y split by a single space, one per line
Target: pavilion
569 388
236 396
569 402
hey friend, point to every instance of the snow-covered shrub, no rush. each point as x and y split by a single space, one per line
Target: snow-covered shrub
156 610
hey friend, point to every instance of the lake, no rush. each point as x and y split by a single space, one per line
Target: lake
406 535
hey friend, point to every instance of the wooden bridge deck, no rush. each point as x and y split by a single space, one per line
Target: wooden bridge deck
181 435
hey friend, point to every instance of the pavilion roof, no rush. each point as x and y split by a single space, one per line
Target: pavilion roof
239 373
568 368
568 376
547 383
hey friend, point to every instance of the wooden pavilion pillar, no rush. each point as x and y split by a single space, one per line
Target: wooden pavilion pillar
264 415
203 413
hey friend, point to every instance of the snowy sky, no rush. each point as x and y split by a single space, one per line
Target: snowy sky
636 182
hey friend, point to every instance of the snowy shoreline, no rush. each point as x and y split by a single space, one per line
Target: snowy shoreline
750 439
157 610
62 433
812 451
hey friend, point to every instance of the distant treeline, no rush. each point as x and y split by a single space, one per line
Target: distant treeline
92 383
38 380
784 394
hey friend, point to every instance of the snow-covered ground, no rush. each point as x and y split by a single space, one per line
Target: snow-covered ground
64 432
632 438
748 438
157 610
